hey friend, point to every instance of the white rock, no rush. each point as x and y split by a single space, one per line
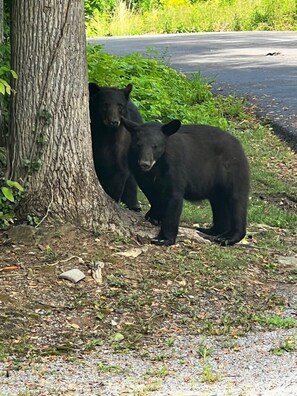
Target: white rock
74 275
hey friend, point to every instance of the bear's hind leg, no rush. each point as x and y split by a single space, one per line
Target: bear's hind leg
221 221
206 231
238 215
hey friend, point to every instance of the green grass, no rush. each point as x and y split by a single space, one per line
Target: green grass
180 16
203 350
108 368
209 375
288 345
276 321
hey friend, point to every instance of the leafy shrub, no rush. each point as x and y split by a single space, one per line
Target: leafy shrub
10 191
4 78
160 92
10 194
173 16
92 6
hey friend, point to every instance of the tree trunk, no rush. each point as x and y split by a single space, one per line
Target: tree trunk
50 140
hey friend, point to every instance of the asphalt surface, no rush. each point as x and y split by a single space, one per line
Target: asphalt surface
260 66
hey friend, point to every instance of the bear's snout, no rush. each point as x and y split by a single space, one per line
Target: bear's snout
146 165
113 123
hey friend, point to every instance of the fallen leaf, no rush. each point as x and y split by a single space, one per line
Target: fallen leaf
10 268
134 252
74 325
117 337
97 271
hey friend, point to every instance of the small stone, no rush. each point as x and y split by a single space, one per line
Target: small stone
289 263
74 275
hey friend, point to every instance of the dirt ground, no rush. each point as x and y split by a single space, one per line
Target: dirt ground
139 298
158 291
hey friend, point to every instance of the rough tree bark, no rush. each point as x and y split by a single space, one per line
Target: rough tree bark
50 141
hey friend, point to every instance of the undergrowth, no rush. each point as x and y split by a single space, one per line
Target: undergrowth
180 16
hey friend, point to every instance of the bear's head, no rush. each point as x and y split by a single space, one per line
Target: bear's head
149 140
109 104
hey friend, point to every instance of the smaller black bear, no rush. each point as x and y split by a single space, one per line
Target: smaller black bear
193 162
111 141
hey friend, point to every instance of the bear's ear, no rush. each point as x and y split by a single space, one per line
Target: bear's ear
93 89
170 128
128 90
129 125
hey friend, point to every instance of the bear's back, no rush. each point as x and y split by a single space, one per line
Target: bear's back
201 156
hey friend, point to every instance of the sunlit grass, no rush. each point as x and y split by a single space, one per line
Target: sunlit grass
179 16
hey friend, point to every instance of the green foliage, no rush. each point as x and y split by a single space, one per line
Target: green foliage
10 194
178 16
2 158
5 72
5 77
276 321
103 367
33 220
32 166
209 375
160 92
288 345
92 6
203 350
45 116
4 85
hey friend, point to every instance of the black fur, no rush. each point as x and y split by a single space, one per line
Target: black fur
111 141
198 162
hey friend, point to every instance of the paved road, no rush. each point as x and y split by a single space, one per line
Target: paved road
261 66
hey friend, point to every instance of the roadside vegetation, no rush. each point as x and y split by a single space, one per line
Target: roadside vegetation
163 94
190 288
119 17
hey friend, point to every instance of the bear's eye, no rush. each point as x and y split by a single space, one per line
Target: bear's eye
121 107
154 146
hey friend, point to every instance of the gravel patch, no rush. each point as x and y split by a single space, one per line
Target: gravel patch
239 366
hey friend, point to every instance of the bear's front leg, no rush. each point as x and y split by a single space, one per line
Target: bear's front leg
157 210
170 222
154 216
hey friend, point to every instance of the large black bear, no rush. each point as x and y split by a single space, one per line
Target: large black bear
111 141
171 162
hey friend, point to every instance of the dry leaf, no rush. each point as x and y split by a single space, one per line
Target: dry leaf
134 252
97 271
10 268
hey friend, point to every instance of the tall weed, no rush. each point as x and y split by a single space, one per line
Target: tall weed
178 16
